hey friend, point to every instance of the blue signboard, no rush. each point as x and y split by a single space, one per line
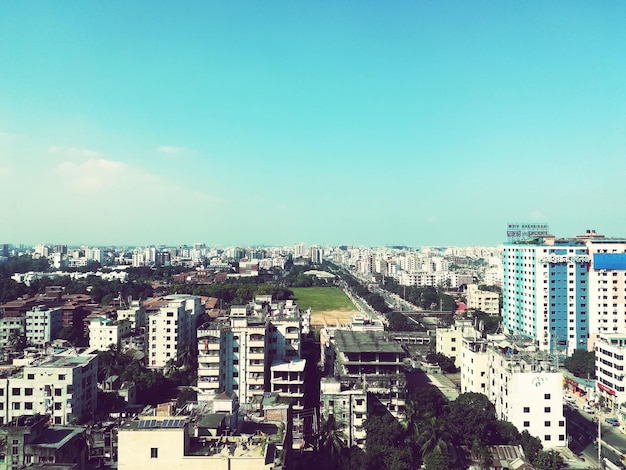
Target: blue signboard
609 261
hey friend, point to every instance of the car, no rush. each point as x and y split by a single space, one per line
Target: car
588 409
612 421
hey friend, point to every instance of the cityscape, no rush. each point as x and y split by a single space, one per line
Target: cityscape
347 235
280 357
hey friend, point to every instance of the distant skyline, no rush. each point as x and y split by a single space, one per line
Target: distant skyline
355 122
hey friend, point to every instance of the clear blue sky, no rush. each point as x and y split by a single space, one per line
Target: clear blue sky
331 122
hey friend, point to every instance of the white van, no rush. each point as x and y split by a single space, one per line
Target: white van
588 409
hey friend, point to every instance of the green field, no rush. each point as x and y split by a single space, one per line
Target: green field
328 304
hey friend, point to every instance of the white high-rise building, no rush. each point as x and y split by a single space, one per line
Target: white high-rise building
172 329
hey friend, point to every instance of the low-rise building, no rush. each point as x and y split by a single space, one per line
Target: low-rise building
522 382
482 300
348 407
32 441
62 386
610 349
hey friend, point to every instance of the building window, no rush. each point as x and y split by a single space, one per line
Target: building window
526 424
546 396
526 409
546 437
154 452
546 424
15 391
546 409
61 376
28 391
28 405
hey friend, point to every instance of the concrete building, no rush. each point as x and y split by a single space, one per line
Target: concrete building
371 360
31 441
10 328
104 332
610 349
172 329
63 386
348 407
449 339
484 301
521 382
237 356
43 324
287 379
136 314
166 443
545 292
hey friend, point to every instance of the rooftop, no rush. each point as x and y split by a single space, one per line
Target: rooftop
348 341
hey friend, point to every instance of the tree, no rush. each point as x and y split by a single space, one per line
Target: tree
472 417
435 461
385 446
332 441
548 460
531 445
581 363
433 437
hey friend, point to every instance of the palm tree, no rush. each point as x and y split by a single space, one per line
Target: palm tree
332 440
433 436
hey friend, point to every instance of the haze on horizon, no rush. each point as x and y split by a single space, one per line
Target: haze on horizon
366 123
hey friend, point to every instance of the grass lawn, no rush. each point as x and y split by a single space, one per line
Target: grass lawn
328 304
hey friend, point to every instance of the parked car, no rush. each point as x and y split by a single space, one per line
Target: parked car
612 421
588 409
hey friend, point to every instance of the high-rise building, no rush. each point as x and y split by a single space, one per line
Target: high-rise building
564 292
546 292
172 329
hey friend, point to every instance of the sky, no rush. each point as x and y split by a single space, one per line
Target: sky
420 123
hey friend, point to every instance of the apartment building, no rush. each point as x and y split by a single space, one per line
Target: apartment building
521 381
104 333
172 329
607 286
348 407
135 314
43 324
610 349
10 329
63 386
237 356
484 301
449 339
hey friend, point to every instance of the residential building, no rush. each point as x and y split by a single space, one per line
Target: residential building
449 339
172 329
236 356
11 328
104 333
287 378
348 407
521 381
484 301
167 442
62 386
43 324
610 349
136 314
31 441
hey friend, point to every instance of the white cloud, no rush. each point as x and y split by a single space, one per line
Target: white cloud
170 149
73 152
93 174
